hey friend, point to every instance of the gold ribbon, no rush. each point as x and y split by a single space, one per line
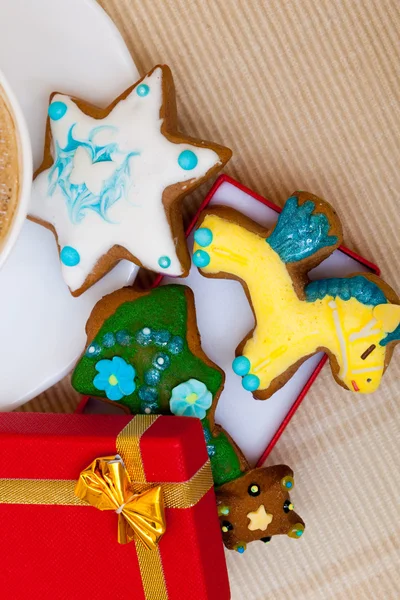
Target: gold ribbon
106 485
119 483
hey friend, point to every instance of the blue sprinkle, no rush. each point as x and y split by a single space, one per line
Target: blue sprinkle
164 262
69 256
203 236
187 160
161 337
142 90
241 365
57 110
175 345
289 484
144 337
240 549
148 394
250 382
201 259
93 350
161 361
152 376
299 533
149 408
211 451
124 338
109 340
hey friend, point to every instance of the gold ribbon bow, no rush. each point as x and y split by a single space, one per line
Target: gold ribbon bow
106 485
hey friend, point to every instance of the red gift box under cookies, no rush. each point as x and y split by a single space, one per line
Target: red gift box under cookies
57 546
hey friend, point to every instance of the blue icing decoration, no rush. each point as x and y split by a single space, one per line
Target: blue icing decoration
79 198
299 532
358 287
152 376
203 236
123 337
115 377
164 262
144 337
161 337
93 350
57 110
149 399
211 450
187 160
149 408
201 259
69 256
250 382
161 361
142 90
108 340
391 337
241 365
148 393
299 233
175 345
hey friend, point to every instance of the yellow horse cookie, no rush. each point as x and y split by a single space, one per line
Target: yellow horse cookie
355 319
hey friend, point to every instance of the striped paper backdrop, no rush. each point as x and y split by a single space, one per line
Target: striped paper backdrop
306 93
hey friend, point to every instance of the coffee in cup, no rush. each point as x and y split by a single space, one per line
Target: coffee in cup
10 166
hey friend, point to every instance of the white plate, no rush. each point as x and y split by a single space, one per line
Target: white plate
70 46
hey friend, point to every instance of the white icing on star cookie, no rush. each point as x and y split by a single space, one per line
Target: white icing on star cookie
106 184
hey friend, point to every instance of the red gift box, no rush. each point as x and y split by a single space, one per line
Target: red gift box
55 550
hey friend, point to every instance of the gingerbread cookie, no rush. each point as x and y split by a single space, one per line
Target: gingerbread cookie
111 180
355 319
144 354
257 506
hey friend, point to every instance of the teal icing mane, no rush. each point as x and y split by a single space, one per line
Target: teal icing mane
394 336
299 233
362 289
78 197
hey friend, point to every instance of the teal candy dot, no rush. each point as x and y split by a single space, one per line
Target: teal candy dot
187 160
201 258
289 484
241 365
164 262
250 382
142 90
69 256
57 110
240 549
299 533
203 236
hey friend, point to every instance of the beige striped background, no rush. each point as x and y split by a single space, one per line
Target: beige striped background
306 93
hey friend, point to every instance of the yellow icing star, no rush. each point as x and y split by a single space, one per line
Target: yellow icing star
259 519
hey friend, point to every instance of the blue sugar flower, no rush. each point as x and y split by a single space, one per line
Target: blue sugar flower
190 399
116 378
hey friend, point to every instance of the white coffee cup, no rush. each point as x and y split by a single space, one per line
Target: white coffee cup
25 175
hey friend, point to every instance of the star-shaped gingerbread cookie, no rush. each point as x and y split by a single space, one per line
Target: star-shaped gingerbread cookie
111 180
